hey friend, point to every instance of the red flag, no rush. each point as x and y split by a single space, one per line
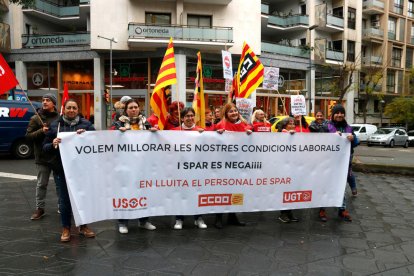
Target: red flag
7 78
65 96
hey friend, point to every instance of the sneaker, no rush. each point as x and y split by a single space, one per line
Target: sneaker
200 223
354 192
322 216
292 218
86 231
284 218
178 224
344 215
123 229
38 214
148 225
65 237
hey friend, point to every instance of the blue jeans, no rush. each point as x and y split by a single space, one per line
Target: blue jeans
64 201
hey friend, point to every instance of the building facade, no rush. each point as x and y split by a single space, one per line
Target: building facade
320 47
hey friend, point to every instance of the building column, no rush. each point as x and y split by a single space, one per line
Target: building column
21 73
350 96
99 103
180 64
310 79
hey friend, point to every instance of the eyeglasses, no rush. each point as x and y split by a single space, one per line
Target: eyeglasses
133 107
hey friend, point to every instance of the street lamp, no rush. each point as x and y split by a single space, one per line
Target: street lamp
310 68
110 68
381 108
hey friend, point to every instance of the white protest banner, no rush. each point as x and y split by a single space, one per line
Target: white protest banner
227 65
114 175
245 107
298 105
271 78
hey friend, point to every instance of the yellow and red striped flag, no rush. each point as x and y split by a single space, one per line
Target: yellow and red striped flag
198 102
250 72
166 77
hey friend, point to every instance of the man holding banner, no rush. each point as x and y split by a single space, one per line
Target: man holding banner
36 130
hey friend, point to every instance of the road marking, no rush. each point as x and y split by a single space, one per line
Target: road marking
18 176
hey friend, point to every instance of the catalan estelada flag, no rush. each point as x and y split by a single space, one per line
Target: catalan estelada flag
198 102
166 77
250 72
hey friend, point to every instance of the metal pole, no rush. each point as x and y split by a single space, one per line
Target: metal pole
110 76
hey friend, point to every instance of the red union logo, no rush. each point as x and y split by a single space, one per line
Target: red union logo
297 196
126 203
220 199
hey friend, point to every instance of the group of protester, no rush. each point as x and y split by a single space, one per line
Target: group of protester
44 127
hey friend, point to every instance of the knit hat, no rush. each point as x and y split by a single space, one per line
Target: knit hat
51 97
124 99
337 108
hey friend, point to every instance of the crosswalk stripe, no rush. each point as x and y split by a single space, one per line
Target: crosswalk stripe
18 176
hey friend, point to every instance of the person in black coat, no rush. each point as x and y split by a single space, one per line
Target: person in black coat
71 121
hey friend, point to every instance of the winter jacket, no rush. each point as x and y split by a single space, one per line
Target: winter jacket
343 127
316 127
56 163
35 133
262 127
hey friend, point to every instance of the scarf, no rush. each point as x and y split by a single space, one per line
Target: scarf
72 122
184 127
140 120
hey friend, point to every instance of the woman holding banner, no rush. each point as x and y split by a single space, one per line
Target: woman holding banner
188 124
259 122
232 121
70 121
173 117
131 119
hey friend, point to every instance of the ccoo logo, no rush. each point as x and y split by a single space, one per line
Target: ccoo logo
220 199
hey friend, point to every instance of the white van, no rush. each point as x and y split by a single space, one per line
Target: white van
363 131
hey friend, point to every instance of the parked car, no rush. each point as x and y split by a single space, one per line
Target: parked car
389 137
411 137
363 131
276 120
14 118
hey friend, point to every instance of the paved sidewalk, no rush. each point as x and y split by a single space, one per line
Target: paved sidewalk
380 240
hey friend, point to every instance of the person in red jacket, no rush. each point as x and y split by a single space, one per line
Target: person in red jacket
259 122
173 118
188 124
209 120
299 128
232 121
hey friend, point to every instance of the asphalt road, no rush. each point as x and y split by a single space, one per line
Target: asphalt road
397 156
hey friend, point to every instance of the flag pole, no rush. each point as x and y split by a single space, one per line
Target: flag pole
30 102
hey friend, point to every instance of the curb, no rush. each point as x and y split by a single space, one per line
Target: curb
388 169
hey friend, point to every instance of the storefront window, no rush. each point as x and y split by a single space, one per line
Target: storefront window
41 75
128 73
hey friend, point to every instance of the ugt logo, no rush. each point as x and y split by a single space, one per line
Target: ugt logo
297 196
129 203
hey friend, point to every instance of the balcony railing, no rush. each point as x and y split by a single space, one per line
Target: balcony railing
55 9
372 60
181 32
284 50
373 4
391 35
335 21
412 40
265 8
84 2
398 9
410 13
290 20
373 32
334 55
55 40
